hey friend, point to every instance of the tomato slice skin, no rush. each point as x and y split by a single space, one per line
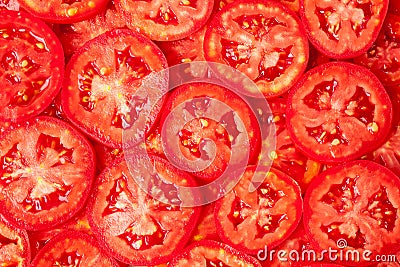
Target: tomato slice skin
276 204
148 232
343 29
165 20
101 80
43 180
344 203
68 11
211 253
264 40
72 248
15 249
31 66
326 107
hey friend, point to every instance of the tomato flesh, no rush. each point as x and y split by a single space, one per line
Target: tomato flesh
264 40
325 108
31 66
42 178
249 221
343 202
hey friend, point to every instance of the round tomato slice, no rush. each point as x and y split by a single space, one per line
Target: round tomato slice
166 20
337 112
354 206
46 172
14 245
383 58
262 39
72 248
209 253
343 29
73 36
265 217
135 227
184 117
100 84
31 66
66 11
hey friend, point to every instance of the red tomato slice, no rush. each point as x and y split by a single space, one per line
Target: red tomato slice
263 39
287 157
266 217
46 173
343 29
72 248
292 4
14 249
31 66
205 228
394 7
73 36
194 131
337 112
66 11
166 20
209 253
101 80
136 228
383 58
354 205
9 5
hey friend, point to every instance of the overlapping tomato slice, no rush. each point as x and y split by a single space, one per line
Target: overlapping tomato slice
354 206
46 172
333 119
137 228
265 217
263 40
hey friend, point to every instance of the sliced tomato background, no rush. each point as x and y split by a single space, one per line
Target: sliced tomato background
66 11
46 173
266 217
263 39
72 248
14 250
9 5
31 66
166 20
357 202
383 58
135 227
100 84
194 131
212 253
333 119
205 228
343 29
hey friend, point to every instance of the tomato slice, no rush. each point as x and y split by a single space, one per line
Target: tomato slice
343 29
383 58
31 66
344 208
46 173
65 11
73 36
205 228
195 130
287 157
9 5
14 245
72 248
101 80
209 253
264 40
265 217
337 112
135 227
165 20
